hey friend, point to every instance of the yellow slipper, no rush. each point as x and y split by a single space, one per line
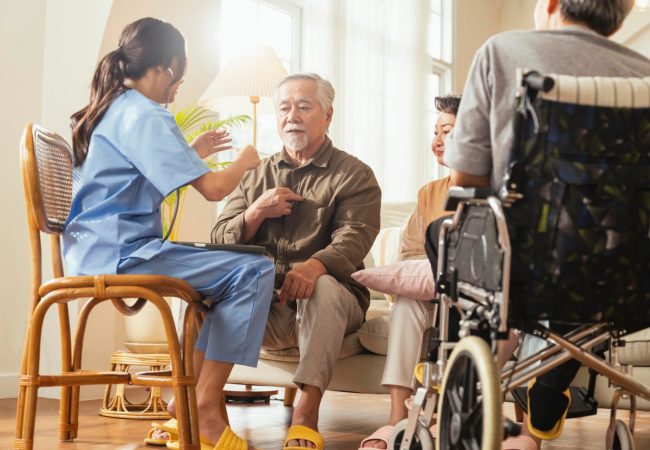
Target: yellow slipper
170 427
228 441
300 432
554 432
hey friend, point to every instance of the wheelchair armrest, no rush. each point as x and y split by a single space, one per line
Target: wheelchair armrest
458 194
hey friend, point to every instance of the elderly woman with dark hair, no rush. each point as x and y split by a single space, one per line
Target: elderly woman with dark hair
410 318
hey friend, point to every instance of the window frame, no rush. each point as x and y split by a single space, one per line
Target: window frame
443 67
293 9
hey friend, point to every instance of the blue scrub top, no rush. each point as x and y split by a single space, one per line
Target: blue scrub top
136 157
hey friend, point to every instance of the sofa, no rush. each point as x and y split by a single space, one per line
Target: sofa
362 357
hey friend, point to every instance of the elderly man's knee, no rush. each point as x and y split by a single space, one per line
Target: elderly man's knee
326 293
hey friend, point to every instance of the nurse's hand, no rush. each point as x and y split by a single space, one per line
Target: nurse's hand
248 157
211 142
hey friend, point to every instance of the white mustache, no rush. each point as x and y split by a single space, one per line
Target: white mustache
289 128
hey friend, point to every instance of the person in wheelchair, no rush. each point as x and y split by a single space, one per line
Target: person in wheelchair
410 318
571 38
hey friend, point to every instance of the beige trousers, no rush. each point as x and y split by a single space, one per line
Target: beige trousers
409 320
317 327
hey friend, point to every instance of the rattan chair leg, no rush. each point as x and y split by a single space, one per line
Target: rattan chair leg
191 315
64 414
65 429
74 412
20 412
27 436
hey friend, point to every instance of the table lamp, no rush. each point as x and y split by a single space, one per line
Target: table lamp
249 77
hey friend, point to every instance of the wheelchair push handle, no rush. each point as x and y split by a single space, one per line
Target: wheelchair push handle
538 82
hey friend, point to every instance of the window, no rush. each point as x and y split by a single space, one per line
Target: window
439 48
246 23
275 23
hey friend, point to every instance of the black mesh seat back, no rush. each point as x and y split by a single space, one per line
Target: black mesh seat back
581 235
473 255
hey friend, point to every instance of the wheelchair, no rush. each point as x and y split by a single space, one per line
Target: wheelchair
564 245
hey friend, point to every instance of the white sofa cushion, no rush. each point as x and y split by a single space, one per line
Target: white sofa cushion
373 335
637 349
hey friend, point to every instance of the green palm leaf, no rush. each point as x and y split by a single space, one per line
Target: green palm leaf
192 121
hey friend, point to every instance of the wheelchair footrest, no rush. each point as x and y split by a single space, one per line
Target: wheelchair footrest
581 403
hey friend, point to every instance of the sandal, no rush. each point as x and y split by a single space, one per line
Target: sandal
382 434
228 441
170 427
300 432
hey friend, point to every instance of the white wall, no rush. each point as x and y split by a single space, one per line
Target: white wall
635 32
22 77
475 21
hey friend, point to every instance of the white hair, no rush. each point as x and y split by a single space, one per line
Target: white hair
324 89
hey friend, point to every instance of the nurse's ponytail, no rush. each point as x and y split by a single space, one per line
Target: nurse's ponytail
144 44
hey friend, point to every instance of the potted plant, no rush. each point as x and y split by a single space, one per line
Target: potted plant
194 120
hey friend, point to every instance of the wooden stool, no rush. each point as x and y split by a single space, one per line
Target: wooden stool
118 405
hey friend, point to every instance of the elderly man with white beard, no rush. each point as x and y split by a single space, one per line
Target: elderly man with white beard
316 210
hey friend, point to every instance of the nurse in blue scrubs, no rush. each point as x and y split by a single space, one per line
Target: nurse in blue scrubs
129 155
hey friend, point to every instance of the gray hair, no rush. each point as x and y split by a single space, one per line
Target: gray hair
324 89
602 16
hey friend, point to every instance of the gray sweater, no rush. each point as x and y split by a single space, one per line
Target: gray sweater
482 138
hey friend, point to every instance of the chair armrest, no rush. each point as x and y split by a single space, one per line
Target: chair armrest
458 194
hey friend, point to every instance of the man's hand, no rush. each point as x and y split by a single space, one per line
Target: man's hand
301 279
211 142
276 202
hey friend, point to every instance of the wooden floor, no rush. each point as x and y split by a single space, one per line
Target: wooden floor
345 420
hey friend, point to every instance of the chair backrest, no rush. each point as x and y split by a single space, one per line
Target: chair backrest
47 163
581 234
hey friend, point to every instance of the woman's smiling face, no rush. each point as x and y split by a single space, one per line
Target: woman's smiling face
444 125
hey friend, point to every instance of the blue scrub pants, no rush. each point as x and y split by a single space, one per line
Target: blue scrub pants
239 285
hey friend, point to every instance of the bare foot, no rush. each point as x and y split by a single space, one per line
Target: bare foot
211 423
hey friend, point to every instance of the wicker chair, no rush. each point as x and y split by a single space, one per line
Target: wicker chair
47 161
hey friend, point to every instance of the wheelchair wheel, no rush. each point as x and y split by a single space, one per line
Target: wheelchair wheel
623 439
422 440
469 419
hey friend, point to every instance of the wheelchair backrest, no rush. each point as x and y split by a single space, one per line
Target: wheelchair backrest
581 234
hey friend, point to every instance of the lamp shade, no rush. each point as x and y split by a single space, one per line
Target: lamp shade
255 72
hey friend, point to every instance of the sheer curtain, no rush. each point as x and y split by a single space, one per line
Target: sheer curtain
374 52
